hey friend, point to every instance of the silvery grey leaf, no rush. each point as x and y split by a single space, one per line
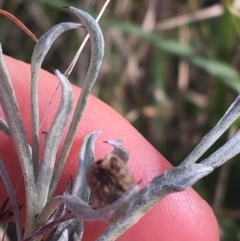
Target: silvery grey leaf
4 127
53 140
78 231
172 180
179 178
64 236
108 213
61 210
45 42
224 153
68 189
12 196
119 149
69 224
223 124
15 125
80 187
74 227
48 210
97 44
83 211
39 53
86 158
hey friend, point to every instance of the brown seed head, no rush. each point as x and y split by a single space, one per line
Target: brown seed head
109 179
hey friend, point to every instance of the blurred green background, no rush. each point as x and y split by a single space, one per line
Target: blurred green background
171 68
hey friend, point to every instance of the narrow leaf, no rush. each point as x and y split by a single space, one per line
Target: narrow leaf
53 140
83 211
173 180
13 118
97 44
107 213
224 153
39 53
64 236
119 150
4 127
86 158
223 124
80 187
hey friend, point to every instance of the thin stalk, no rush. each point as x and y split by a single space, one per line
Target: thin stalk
71 66
19 24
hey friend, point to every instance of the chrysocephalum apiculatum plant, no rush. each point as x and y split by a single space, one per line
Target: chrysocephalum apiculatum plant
119 200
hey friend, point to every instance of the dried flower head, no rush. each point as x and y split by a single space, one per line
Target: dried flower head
109 179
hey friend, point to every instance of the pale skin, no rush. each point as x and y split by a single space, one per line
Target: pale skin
180 216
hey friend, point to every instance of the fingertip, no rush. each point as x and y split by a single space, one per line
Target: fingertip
183 216
179 216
